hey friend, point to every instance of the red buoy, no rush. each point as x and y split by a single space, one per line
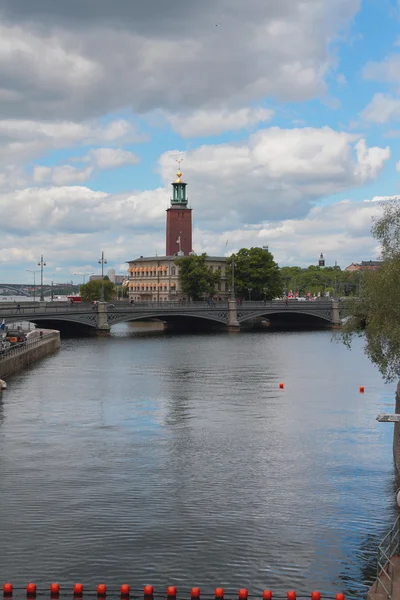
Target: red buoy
101 589
7 589
125 590
195 593
171 591
54 589
219 592
31 589
340 596
243 594
148 590
78 589
315 596
291 595
281 386
362 389
267 595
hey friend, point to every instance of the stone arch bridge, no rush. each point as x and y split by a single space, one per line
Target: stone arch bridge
101 316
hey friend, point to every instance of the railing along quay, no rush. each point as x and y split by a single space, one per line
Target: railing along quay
20 347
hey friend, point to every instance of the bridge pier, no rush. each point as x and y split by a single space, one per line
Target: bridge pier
233 323
335 312
102 326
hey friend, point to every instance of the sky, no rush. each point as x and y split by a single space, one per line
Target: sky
286 114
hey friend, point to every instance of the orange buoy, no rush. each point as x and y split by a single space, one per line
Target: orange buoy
125 589
267 595
315 596
171 591
31 589
291 595
54 589
78 589
281 386
219 592
195 593
148 590
101 589
243 594
8 589
340 596
362 389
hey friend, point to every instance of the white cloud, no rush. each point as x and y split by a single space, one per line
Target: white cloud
277 173
23 140
111 158
61 175
213 122
387 70
382 108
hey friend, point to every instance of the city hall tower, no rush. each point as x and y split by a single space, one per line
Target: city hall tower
179 220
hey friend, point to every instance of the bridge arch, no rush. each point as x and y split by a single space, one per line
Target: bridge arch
286 314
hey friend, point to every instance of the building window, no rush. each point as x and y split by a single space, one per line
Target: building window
219 287
173 270
226 287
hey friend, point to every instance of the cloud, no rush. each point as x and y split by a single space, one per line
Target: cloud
276 174
111 158
387 70
213 122
22 140
62 175
81 63
382 108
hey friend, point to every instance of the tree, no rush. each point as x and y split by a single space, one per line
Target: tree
375 313
196 278
255 270
92 290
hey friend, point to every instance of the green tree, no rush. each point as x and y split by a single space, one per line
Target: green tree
92 290
196 278
375 313
255 269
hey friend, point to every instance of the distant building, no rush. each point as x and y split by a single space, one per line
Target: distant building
95 278
321 261
156 278
365 265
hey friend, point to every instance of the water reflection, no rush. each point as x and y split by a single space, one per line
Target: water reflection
165 458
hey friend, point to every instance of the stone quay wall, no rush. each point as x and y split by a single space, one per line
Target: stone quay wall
36 347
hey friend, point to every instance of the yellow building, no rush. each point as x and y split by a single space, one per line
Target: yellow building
156 279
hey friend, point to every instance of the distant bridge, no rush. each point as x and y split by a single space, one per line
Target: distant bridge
100 317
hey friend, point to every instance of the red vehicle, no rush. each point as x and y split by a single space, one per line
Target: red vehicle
74 298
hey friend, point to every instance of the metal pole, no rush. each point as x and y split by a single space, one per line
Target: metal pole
41 264
233 279
102 261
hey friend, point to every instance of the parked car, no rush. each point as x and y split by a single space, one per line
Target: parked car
15 336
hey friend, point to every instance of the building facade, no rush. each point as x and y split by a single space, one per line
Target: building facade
365 265
156 278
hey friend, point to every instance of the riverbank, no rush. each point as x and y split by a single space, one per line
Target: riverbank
40 343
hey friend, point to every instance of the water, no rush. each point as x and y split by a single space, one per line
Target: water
162 459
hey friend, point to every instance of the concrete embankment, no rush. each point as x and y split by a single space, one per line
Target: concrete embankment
37 347
396 434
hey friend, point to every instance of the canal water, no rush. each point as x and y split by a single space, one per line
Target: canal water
176 459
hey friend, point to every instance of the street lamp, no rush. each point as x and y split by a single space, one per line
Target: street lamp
102 262
41 264
83 275
265 293
34 282
249 290
233 279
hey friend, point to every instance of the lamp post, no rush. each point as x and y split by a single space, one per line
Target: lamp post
249 290
265 293
41 264
102 262
34 282
233 280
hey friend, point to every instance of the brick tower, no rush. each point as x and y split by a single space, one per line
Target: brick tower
179 220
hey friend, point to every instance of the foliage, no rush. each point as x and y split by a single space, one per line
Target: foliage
321 280
197 279
255 269
376 312
92 290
